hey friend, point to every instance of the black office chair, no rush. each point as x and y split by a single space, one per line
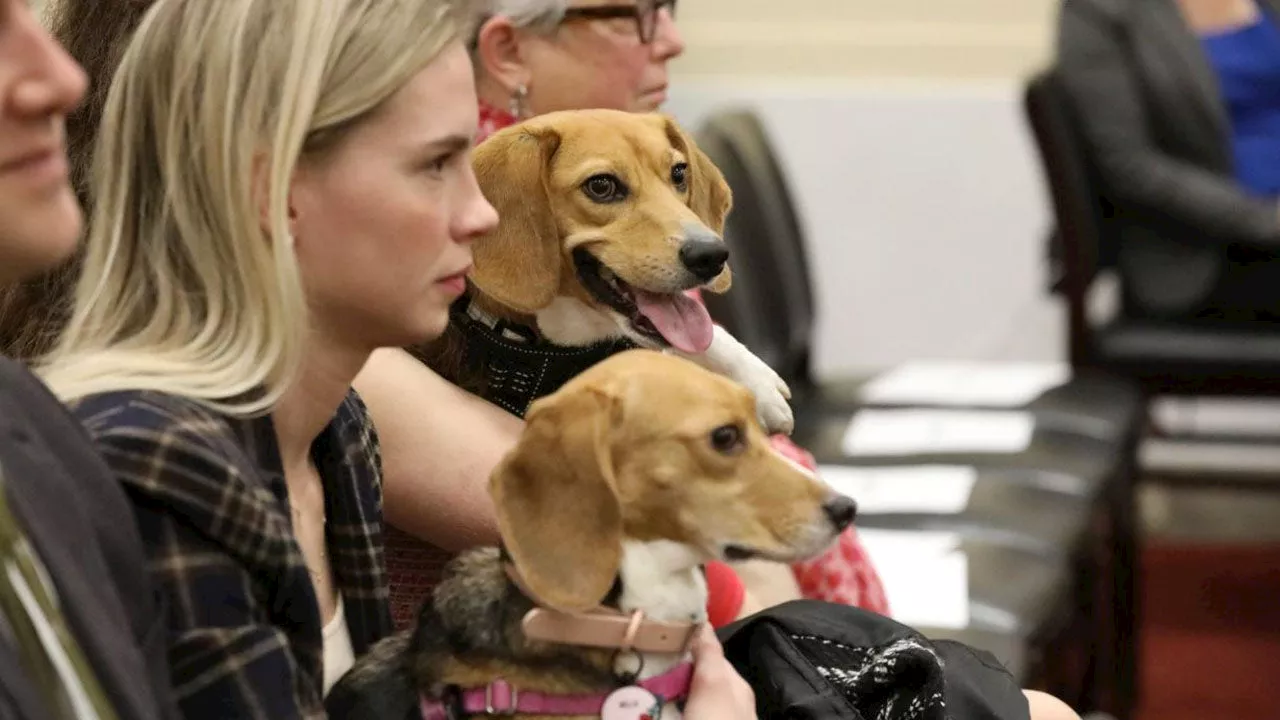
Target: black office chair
761 327
1086 429
1163 357
777 270
772 307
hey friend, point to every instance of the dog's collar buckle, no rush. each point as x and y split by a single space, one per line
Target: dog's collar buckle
605 628
500 698
602 627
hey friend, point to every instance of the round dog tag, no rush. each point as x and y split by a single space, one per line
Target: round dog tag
631 703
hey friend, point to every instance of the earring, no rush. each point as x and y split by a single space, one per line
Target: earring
517 108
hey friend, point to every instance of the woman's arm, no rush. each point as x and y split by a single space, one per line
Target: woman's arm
1106 94
439 444
767 584
1048 707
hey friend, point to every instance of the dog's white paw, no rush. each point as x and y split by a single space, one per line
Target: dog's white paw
732 359
772 395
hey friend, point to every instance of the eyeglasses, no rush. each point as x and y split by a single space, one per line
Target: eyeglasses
644 12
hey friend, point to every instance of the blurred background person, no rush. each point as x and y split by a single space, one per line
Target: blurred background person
1180 104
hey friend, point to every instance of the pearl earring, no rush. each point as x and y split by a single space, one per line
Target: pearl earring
517 108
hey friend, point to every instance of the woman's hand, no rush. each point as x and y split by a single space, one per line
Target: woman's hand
717 691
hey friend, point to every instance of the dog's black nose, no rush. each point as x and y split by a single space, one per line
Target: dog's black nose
704 258
841 510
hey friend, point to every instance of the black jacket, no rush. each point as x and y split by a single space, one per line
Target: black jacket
808 660
1148 102
80 523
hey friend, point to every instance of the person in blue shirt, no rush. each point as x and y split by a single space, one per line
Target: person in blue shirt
1179 102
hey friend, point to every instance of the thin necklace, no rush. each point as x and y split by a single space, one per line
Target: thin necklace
316 575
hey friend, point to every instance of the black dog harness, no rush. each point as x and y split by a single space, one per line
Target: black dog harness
517 364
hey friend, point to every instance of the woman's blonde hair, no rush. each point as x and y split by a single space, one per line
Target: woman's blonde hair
182 290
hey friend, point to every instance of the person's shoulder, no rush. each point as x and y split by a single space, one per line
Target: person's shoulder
179 458
12 371
1085 26
29 410
19 385
143 415
1109 11
169 446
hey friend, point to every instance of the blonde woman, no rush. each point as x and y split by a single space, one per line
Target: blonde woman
280 187
241 266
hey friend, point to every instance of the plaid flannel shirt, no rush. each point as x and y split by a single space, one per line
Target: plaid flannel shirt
209 494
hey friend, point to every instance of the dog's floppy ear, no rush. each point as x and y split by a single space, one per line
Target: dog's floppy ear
557 503
518 263
709 195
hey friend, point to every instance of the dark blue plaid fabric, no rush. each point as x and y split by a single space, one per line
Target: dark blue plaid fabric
209 494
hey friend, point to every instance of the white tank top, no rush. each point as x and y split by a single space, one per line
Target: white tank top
339 656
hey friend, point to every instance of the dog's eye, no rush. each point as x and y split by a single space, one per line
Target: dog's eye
727 439
680 175
604 188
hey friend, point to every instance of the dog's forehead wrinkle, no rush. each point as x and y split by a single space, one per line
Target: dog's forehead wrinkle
652 146
597 165
600 159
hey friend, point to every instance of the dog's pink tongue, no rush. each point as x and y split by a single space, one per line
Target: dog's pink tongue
683 321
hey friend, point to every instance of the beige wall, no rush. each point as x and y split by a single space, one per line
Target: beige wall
866 38
863 38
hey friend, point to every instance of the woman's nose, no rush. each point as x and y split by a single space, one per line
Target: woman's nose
476 217
51 82
667 42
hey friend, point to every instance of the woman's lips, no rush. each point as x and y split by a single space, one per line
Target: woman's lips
455 284
41 167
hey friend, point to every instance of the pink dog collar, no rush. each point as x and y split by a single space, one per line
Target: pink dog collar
499 698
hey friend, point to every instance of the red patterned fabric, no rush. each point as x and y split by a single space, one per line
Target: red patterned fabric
414 568
845 573
491 121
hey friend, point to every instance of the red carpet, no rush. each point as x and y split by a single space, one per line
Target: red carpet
1211 632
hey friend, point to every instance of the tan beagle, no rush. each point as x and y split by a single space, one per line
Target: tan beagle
607 219
623 484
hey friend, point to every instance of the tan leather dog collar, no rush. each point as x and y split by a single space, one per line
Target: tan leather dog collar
603 627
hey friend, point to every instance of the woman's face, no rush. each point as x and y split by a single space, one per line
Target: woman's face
601 63
39 84
383 221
